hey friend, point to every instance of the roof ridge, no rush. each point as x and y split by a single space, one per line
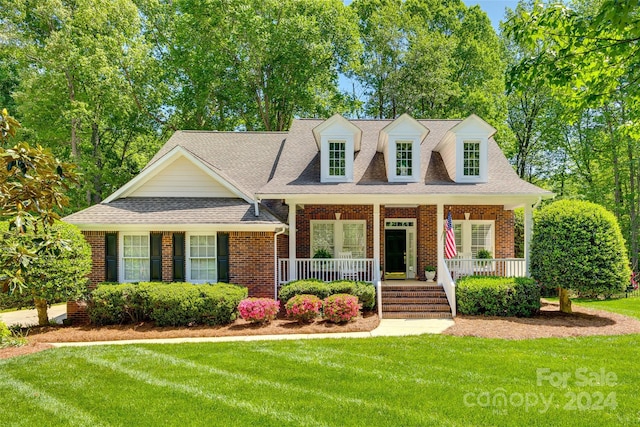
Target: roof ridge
235 132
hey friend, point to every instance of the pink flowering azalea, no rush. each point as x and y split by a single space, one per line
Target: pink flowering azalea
259 310
303 308
340 308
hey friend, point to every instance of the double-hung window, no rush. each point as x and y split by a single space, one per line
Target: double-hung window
404 158
339 237
471 158
473 236
201 258
135 257
337 158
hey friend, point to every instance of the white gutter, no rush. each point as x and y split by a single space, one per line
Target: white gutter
275 261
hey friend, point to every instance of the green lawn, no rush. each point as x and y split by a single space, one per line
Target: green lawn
411 381
626 306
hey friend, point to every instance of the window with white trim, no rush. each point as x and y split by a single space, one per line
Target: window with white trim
473 236
337 158
135 257
202 263
471 158
339 236
404 158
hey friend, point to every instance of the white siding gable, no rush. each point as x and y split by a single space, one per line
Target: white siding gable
182 178
338 139
471 130
403 138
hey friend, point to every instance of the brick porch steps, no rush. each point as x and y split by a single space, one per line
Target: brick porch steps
415 301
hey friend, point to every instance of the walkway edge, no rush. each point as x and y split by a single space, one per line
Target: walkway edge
386 328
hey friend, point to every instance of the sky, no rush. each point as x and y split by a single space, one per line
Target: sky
493 8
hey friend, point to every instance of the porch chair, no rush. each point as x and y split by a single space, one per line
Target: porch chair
347 266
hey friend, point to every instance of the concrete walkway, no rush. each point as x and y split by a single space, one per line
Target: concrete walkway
387 328
30 317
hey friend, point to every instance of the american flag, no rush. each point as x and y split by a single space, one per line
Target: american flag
450 245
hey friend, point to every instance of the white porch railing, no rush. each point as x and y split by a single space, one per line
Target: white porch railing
329 269
503 267
449 286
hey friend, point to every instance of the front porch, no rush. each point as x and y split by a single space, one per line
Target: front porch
376 243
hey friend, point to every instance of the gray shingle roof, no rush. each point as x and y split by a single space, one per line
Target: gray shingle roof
246 159
172 210
298 168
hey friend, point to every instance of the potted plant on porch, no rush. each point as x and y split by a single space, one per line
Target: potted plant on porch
429 273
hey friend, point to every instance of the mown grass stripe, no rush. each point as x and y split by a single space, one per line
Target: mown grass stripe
74 416
263 410
255 381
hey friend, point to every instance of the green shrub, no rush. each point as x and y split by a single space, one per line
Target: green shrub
107 306
299 287
5 332
54 275
578 245
498 296
365 292
168 304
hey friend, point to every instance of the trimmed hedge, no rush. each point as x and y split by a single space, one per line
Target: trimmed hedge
365 291
168 304
498 296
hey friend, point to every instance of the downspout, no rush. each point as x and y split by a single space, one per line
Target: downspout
275 261
255 208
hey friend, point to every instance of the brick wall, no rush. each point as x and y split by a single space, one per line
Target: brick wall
96 240
251 262
167 256
77 311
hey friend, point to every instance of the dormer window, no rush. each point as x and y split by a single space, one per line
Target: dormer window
338 140
465 150
399 142
471 158
404 158
337 158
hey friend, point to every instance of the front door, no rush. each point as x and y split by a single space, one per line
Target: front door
395 256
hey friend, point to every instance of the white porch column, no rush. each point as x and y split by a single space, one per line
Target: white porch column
376 235
528 232
440 228
293 273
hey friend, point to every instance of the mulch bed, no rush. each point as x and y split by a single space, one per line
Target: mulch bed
38 337
549 323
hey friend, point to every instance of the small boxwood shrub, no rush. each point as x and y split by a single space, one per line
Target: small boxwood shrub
365 292
498 296
303 308
258 310
5 332
168 304
340 308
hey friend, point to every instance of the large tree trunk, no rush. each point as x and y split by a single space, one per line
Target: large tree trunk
565 302
41 306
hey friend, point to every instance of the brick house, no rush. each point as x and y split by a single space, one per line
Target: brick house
258 208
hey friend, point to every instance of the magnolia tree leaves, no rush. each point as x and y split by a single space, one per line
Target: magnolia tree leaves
34 186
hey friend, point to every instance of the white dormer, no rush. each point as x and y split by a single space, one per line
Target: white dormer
464 150
400 142
338 139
